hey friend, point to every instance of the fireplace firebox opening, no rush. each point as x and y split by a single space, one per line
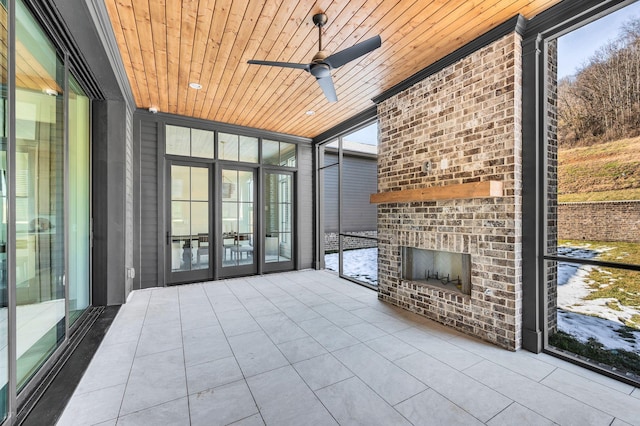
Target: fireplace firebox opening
447 270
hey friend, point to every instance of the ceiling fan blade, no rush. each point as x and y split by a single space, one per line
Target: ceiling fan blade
281 64
340 58
326 83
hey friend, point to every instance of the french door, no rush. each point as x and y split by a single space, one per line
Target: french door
206 240
188 237
278 220
238 248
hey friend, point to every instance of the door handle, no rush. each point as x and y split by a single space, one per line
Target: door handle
167 237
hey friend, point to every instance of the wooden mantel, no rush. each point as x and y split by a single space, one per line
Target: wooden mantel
491 188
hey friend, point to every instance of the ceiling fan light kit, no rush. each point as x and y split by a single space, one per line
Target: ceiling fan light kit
322 63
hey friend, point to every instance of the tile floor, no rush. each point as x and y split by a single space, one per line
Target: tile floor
307 348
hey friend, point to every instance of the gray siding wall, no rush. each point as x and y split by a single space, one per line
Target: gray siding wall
149 225
359 181
128 250
108 188
305 206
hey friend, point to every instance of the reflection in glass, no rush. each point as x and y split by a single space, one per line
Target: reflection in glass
278 217
278 153
199 184
237 148
188 142
270 152
287 154
180 183
40 246
237 218
4 337
201 143
178 141
329 154
228 146
79 201
189 218
248 149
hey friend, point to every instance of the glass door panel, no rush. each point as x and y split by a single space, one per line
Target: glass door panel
39 186
238 222
278 203
4 315
188 230
79 201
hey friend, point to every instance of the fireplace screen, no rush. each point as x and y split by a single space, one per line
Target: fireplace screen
440 268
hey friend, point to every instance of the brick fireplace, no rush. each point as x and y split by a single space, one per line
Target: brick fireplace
459 125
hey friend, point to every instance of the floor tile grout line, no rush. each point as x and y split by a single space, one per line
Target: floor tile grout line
292 364
562 392
184 357
461 372
151 407
538 383
485 358
578 373
363 381
244 377
503 410
146 310
547 375
276 345
444 397
330 352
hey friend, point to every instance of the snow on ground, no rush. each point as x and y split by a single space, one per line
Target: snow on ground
582 327
359 264
590 318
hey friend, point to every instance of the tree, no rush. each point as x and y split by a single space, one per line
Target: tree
602 101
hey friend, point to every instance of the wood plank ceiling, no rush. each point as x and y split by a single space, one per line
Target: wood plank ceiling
166 44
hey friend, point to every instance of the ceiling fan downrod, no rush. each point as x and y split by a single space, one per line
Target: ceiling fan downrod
319 20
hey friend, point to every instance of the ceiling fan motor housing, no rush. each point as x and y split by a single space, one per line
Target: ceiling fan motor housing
320 70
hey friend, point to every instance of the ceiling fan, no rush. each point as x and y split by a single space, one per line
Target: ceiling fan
322 63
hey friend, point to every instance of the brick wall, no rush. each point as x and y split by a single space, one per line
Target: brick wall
350 243
466 121
602 221
552 183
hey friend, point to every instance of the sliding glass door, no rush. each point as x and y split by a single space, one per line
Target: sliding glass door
39 196
4 302
45 199
79 201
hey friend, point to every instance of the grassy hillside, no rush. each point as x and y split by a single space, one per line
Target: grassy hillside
603 172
